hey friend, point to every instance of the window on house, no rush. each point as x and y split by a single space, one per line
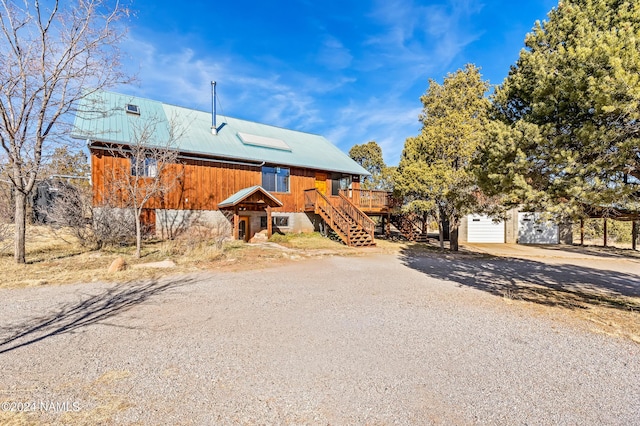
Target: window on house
275 179
338 184
144 167
279 221
132 109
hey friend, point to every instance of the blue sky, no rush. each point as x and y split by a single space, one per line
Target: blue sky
352 71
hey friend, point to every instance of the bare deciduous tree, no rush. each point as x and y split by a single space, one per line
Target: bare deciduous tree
112 225
70 209
6 213
175 223
150 172
49 54
216 231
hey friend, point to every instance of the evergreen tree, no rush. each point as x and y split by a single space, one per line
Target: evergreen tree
50 53
64 161
369 156
435 168
567 129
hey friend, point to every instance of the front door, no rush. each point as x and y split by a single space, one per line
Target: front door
243 228
321 183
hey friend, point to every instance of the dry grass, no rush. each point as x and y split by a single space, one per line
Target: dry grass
102 402
8 418
52 260
98 403
614 315
308 241
625 324
56 258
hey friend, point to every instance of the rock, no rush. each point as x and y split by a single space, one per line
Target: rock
117 265
260 237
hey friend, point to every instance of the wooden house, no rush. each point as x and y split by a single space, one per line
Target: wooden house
254 176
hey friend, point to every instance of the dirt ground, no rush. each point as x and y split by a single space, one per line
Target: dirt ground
594 285
598 258
404 335
558 253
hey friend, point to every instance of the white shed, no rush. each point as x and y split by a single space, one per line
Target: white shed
483 229
533 229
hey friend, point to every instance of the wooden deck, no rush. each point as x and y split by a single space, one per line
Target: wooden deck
371 202
349 214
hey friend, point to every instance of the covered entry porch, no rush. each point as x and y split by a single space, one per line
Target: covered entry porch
254 198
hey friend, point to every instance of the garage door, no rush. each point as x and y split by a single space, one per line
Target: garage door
533 230
482 229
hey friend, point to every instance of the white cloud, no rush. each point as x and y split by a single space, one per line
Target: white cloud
334 55
245 90
389 124
368 95
422 39
179 77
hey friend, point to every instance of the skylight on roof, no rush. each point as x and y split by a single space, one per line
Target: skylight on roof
263 141
133 109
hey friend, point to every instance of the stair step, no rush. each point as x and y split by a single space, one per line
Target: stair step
354 233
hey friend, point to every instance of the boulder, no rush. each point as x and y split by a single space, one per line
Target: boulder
260 237
117 265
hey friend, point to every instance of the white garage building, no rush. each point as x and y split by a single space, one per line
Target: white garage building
520 227
483 229
533 229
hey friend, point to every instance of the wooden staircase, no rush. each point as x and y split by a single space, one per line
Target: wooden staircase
350 224
406 224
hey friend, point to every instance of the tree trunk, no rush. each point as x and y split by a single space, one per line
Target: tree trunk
440 233
634 234
20 220
441 226
453 234
425 226
138 235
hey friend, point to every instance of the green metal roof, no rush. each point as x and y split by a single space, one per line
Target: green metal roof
239 196
103 118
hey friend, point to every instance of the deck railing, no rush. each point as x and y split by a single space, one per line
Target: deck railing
336 220
358 216
310 196
369 199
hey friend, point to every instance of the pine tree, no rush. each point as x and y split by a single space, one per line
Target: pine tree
567 129
369 156
435 169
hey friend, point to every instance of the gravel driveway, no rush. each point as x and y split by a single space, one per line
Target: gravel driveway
378 339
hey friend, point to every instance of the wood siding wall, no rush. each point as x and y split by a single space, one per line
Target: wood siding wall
200 185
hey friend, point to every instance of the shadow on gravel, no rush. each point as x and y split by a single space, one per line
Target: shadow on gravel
602 252
90 310
555 285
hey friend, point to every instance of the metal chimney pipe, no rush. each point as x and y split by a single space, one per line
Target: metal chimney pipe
214 127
